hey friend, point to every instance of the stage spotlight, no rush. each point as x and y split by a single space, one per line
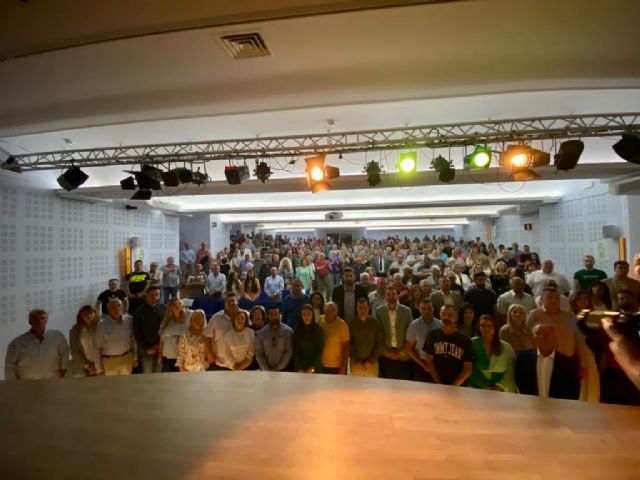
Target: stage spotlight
236 174
12 165
198 177
444 167
128 183
318 173
568 155
142 195
479 158
407 162
523 156
72 179
263 172
373 173
315 169
628 148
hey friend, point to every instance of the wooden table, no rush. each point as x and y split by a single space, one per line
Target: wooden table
257 425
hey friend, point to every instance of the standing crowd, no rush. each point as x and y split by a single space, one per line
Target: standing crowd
440 310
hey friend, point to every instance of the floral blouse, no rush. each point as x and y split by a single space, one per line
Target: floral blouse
191 353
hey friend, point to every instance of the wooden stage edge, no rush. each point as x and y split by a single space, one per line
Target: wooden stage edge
258 425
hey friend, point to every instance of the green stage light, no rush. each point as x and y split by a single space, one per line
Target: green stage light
407 162
479 158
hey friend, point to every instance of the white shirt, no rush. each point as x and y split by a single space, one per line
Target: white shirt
217 327
393 317
537 279
29 358
112 338
238 346
510 298
544 370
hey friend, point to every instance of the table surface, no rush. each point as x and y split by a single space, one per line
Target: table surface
258 425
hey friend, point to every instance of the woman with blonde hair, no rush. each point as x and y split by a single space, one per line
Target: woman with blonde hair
515 332
191 348
174 324
286 271
81 341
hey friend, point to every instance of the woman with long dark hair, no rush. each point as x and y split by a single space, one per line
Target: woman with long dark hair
466 320
251 286
600 296
493 365
308 342
317 302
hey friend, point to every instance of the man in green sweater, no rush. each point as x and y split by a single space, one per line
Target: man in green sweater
367 341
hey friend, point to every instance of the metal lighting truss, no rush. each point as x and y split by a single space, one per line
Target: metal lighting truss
431 136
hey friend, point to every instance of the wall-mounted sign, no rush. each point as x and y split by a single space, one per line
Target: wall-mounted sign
528 226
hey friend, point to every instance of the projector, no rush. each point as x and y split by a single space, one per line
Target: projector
333 216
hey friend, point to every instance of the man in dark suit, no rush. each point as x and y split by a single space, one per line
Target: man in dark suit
445 296
545 372
380 264
395 319
347 294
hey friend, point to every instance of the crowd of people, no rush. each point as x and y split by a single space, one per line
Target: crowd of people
440 310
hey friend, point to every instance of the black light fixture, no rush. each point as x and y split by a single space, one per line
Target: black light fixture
263 172
628 148
373 172
72 179
142 195
444 167
128 183
149 178
12 165
177 176
236 174
568 155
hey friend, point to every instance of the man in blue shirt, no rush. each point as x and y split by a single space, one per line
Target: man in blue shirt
293 304
273 285
187 261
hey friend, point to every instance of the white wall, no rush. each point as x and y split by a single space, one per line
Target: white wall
631 213
411 234
218 235
566 231
195 230
58 254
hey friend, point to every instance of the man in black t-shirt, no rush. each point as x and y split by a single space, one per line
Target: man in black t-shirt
137 283
114 291
484 301
449 353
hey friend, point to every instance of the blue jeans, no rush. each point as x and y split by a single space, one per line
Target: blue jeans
148 362
169 293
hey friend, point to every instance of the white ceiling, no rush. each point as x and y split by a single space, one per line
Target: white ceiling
418 65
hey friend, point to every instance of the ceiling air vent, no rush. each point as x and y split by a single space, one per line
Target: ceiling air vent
245 45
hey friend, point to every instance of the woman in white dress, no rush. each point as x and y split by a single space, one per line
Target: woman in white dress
239 343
